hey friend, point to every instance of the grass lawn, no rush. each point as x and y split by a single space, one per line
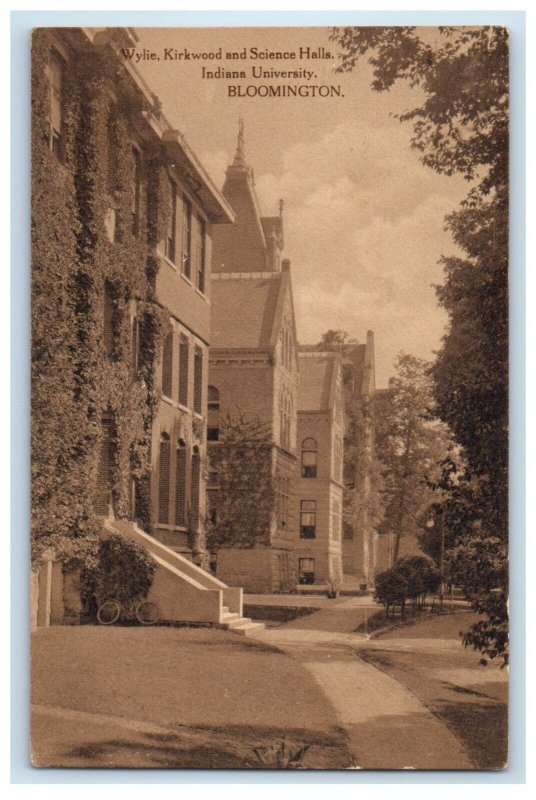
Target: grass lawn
471 699
169 697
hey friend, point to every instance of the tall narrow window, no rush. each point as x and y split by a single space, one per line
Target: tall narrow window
167 365
163 480
201 255
184 357
110 321
198 380
55 75
187 238
171 233
213 426
308 519
103 495
195 487
180 484
309 458
136 191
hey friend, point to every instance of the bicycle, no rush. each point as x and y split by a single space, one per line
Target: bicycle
110 610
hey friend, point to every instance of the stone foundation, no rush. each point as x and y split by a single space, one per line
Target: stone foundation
260 570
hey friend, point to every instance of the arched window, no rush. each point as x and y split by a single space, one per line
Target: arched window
309 458
213 423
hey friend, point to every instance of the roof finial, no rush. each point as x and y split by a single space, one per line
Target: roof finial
240 155
281 207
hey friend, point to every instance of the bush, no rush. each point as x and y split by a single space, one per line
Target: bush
124 571
391 589
411 578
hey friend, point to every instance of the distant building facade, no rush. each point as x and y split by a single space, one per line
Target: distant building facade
253 369
360 539
319 482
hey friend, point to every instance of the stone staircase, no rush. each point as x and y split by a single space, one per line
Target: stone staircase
231 621
183 591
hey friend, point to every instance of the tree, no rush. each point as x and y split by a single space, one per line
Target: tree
335 340
241 463
461 126
411 445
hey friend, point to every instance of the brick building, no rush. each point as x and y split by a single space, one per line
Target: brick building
319 487
254 366
360 540
139 210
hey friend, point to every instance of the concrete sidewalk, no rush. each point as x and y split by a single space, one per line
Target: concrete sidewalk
387 726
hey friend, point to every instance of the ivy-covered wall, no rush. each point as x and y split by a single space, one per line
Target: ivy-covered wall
76 379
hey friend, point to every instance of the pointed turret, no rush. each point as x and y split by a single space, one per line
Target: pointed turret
254 242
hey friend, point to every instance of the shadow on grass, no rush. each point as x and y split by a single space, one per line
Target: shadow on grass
483 730
205 748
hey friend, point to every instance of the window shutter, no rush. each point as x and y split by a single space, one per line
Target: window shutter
184 356
196 483
198 380
163 481
180 487
167 365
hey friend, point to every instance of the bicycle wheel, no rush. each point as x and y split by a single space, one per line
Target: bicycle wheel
147 613
109 612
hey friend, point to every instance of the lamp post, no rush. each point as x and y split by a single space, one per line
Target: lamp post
431 524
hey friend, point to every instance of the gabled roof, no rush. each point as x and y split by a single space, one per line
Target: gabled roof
244 309
317 381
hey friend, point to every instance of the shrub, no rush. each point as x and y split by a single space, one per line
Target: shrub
422 575
391 589
123 570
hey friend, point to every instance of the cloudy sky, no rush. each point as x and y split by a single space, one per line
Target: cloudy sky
363 218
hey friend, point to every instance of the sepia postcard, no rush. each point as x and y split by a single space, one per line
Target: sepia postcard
270 398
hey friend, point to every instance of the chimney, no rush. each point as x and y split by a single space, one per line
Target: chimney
285 265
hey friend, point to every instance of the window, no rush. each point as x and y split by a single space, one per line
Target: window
306 570
163 479
213 427
110 321
55 75
187 238
198 380
195 488
171 233
180 484
309 458
103 494
136 191
184 356
201 255
167 365
308 519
